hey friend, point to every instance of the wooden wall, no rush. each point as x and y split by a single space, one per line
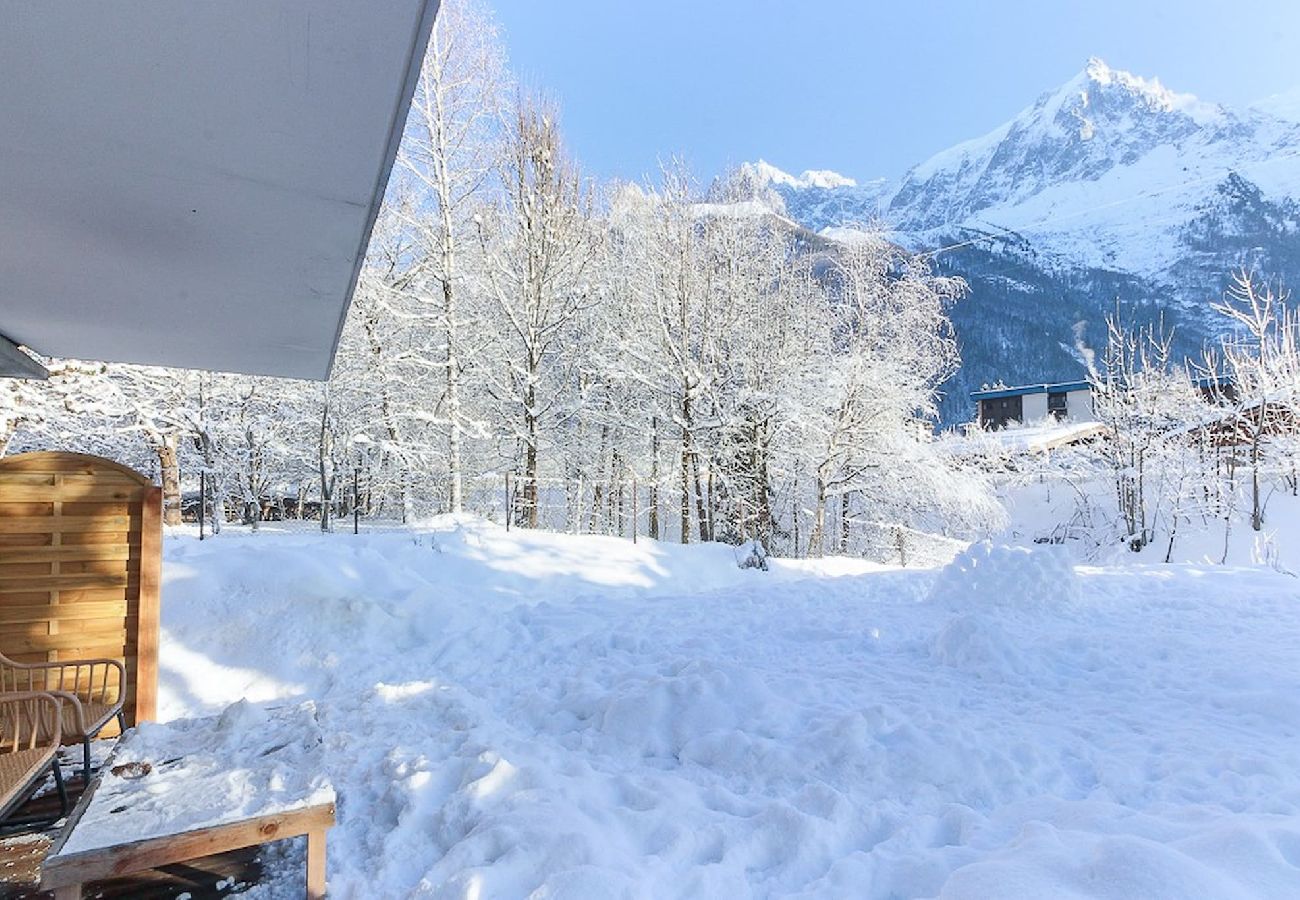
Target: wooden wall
80 566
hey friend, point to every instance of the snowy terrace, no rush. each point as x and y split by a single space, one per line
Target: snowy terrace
531 714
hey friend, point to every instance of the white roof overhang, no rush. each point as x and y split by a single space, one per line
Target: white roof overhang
193 184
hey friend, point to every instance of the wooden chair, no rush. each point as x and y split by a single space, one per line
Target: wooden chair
89 700
30 735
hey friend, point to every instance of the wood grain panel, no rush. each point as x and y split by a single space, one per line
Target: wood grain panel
80 566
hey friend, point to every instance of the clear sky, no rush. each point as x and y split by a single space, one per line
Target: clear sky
864 87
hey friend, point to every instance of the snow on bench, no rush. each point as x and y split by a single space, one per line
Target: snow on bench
195 787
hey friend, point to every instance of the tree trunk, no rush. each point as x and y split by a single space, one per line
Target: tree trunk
170 471
654 478
762 500
844 524
446 199
456 500
215 498
700 511
710 504
530 493
1256 513
686 472
324 447
819 520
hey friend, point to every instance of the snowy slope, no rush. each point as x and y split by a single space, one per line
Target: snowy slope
1285 105
513 715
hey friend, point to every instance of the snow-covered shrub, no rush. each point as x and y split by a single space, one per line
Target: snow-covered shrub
756 558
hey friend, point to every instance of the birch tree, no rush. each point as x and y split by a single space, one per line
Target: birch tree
537 245
447 155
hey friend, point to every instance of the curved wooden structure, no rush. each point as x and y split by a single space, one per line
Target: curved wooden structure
80 566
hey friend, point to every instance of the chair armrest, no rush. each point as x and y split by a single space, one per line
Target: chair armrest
30 719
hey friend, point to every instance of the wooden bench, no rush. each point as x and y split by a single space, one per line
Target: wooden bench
159 799
65 873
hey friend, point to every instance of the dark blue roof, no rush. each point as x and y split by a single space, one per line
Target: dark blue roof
1063 386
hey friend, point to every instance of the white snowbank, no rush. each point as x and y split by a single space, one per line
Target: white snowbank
1010 577
976 645
552 716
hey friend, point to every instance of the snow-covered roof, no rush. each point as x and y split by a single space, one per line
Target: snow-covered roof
1040 437
1061 387
195 184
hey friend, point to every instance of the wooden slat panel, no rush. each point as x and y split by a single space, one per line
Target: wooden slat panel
25 479
90 567
100 631
69 492
63 612
16 569
80 547
27 508
72 464
24 540
130 537
88 595
61 582
35 597
67 524
95 508
30 478
27 656
13 570
85 645
74 553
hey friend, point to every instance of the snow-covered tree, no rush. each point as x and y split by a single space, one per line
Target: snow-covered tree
538 246
887 347
446 160
1260 366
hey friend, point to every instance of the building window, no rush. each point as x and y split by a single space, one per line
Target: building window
998 412
1058 404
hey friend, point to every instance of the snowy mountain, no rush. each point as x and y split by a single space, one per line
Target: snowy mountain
1111 187
1285 105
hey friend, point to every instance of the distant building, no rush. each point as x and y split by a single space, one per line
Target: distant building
1068 401
1215 389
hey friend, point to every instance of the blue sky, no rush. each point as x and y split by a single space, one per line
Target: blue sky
866 88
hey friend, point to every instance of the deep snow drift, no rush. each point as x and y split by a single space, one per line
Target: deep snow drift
508 715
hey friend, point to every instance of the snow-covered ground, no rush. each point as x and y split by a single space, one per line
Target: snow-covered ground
1054 509
524 714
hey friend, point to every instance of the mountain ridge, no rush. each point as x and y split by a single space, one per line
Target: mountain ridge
1109 188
